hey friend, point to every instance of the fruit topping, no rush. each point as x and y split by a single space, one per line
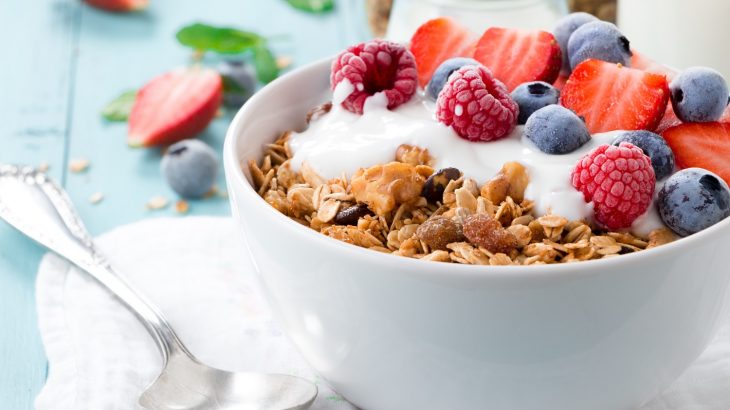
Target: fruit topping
433 189
693 199
556 130
701 145
612 97
476 105
654 146
530 97
519 56
598 40
375 66
239 82
442 73
190 168
564 29
699 94
619 181
119 5
437 40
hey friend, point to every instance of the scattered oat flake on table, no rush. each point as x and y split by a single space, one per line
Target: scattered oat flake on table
43 167
157 202
213 192
182 206
78 165
283 62
96 197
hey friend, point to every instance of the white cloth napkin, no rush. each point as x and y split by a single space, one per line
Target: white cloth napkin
199 275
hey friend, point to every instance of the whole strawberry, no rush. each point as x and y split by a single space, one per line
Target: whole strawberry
620 182
476 105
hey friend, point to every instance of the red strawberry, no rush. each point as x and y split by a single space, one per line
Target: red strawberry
641 62
119 5
669 120
613 97
437 40
518 56
703 145
560 82
175 106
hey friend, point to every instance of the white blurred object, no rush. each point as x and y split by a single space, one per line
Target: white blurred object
477 15
679 33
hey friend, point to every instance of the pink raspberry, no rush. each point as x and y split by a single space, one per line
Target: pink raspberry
620 182
476 105
376 66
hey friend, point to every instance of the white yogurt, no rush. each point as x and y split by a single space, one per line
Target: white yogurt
341 141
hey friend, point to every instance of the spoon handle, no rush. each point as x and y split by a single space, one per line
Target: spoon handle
33 204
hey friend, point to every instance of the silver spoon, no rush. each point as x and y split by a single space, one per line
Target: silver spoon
37 207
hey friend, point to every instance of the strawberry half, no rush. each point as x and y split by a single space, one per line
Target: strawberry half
703 145
519 56
119 5
437 40
642 62
175 106
613 97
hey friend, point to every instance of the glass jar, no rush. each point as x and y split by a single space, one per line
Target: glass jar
477 15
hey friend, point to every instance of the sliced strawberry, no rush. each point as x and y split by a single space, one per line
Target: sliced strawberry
703 145
175 106
669 120
613 97
560 82
437 40
119 5
519 56
644 63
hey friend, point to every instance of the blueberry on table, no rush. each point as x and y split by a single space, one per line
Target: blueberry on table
693 199
598 40
699 94
654 146
532 96
564 29
442 73
239 82
556 130
190 168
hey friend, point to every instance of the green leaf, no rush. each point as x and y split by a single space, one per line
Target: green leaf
224 40
263 60
120 107
312 6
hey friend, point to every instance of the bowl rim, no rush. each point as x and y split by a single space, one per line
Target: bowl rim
582 269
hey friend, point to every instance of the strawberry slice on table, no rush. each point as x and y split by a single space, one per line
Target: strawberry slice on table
613 97
518 56
175 106
703 145
437 40
119 5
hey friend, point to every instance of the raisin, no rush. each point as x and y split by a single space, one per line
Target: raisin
438 232
433 189
350 215
487 232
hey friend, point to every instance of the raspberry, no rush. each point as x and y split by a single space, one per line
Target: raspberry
372 67
476 105
620 182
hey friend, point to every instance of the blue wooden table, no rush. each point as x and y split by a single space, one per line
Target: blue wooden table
62 62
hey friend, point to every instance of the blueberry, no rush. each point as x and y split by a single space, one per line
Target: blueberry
556 130
533 96
239 82
190 167
699 94
655 147
442 73
563 30
693 199
599 40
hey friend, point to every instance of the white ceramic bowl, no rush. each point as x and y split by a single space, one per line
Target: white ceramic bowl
392 333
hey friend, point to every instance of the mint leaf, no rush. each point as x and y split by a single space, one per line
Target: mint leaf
263 60
224 40
119 108
312 6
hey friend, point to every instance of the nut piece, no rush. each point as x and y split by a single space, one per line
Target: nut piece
438 232
511 181
350 216
412 155
384 187
485 231
318 111
435 185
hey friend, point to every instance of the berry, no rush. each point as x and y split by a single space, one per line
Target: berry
702 145
372 67
556 130
443 72
437 40
476 105
518 56
564 29
693 199
239 82
641 62
619 181
530 97
699 94
654 146
190 168
174 106
612 97
119 5
598 40
560 82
